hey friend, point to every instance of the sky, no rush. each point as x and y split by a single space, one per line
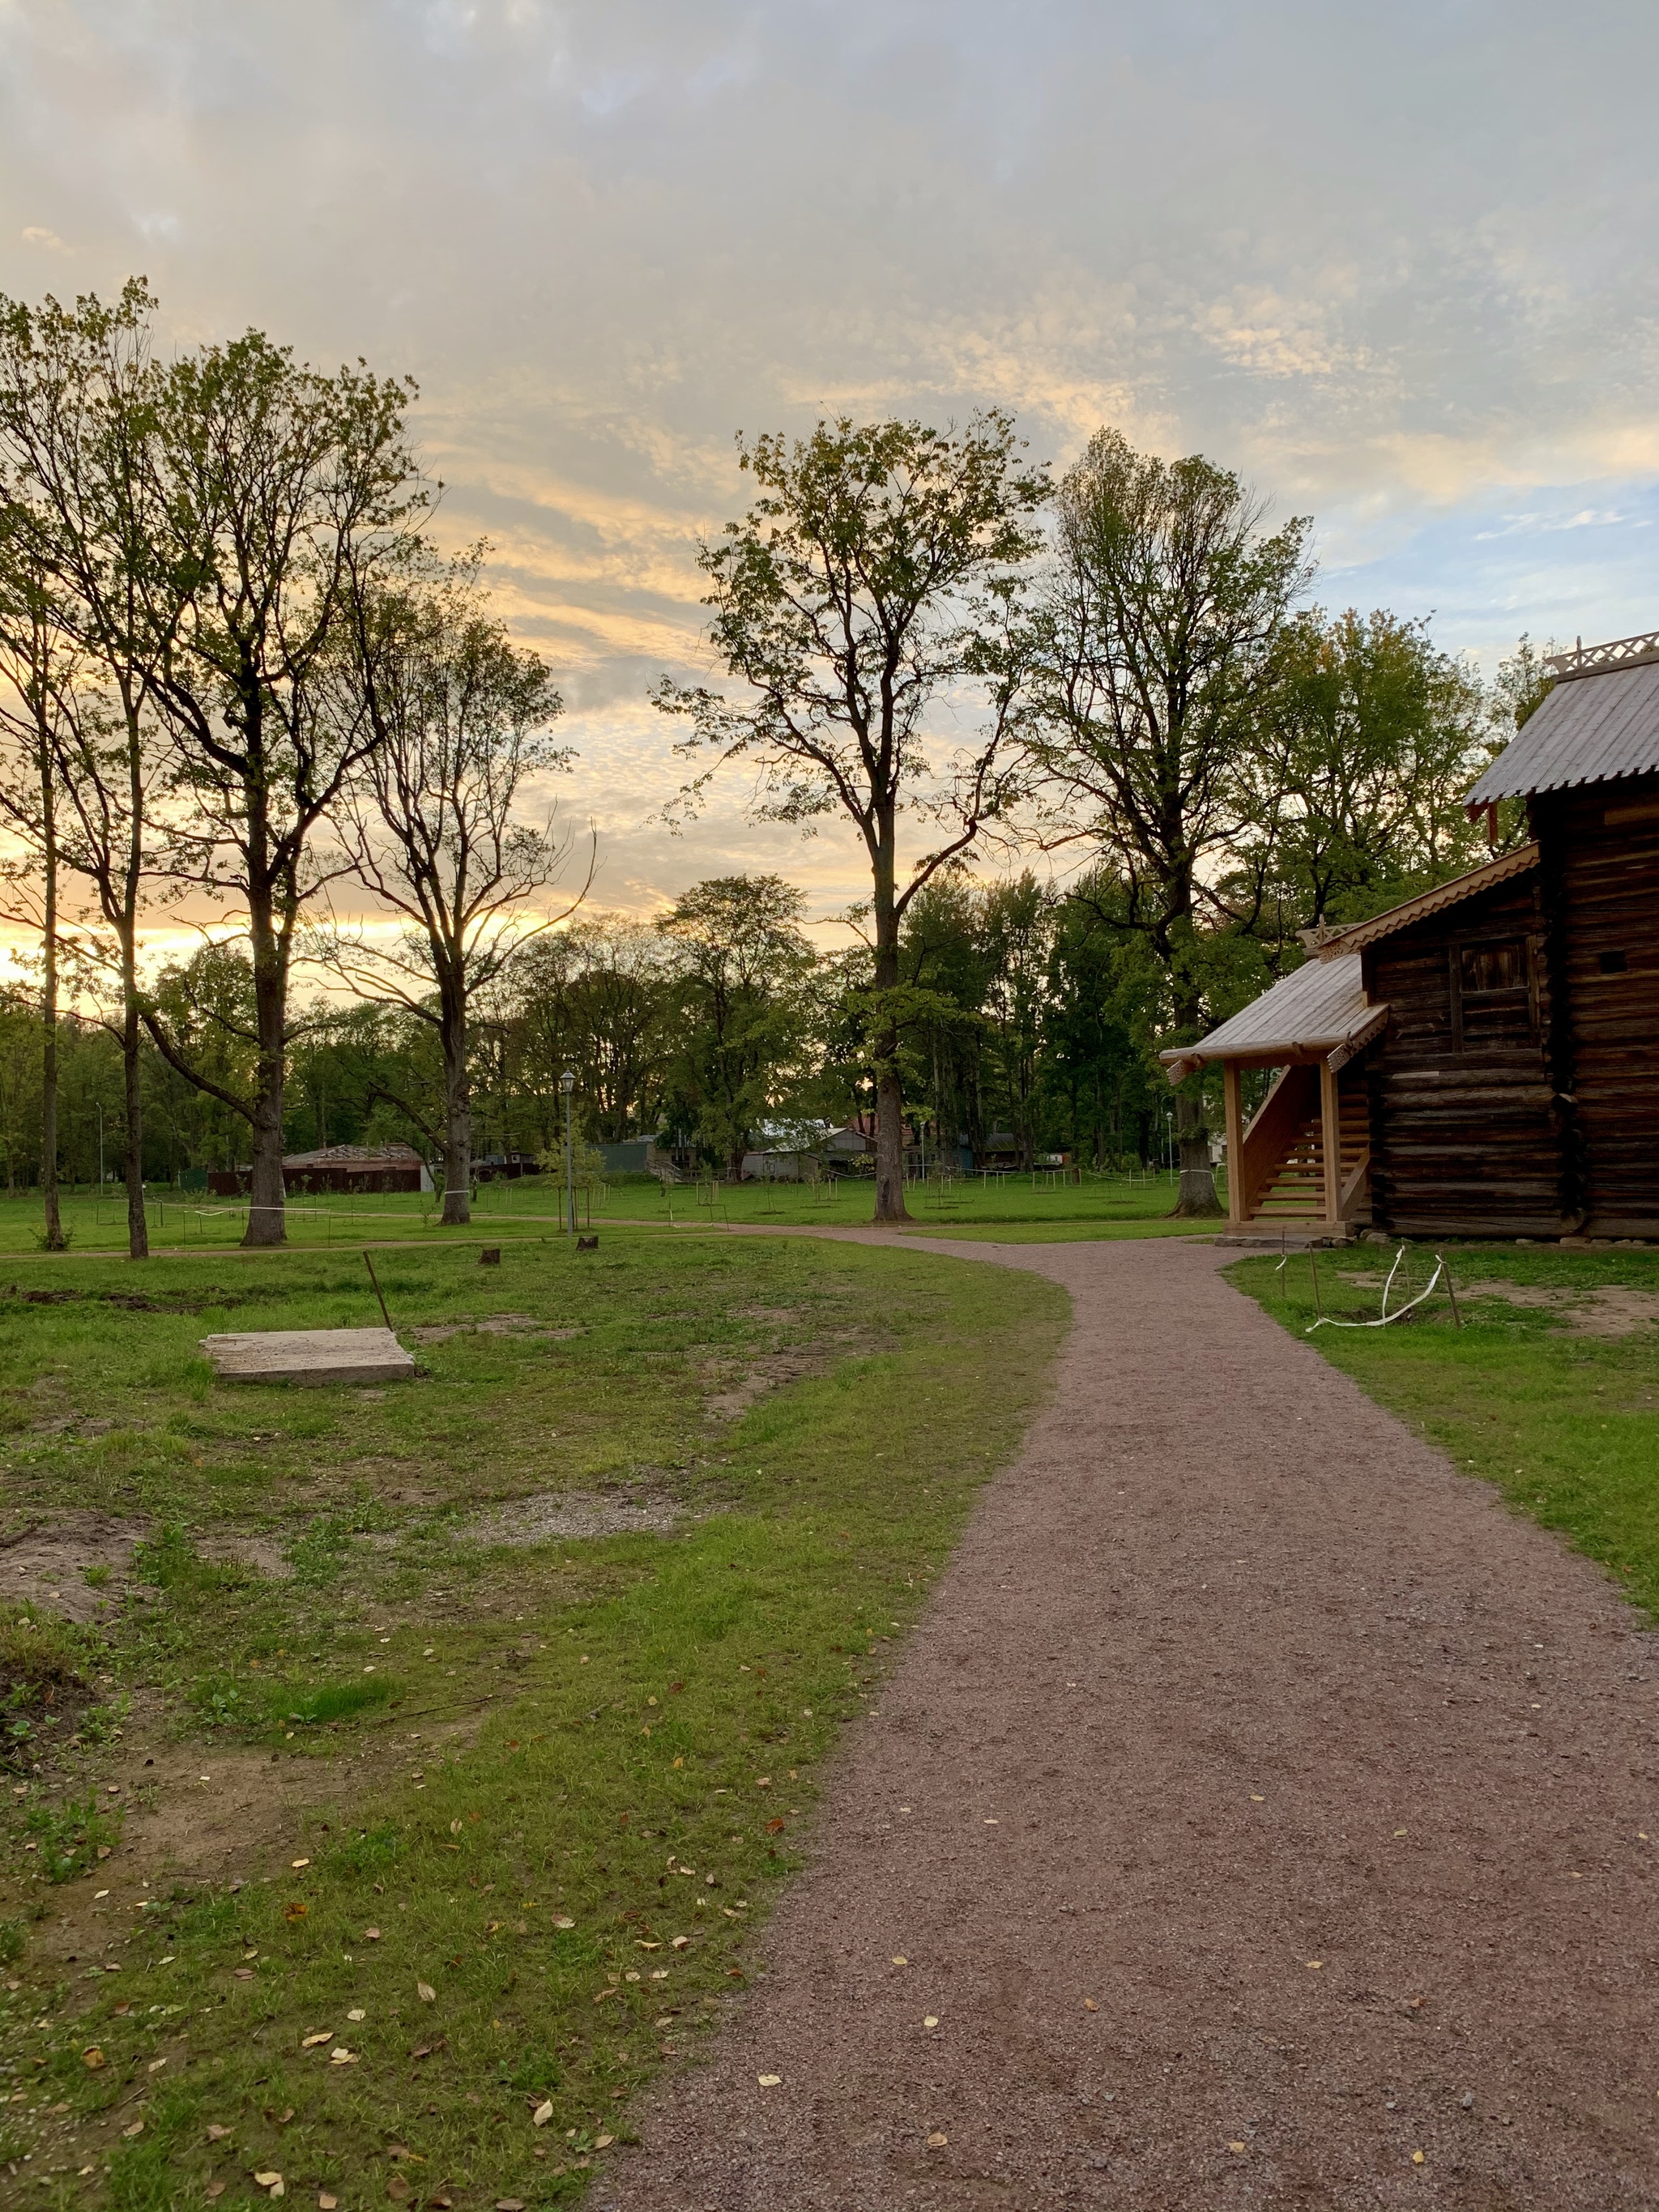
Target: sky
1395 265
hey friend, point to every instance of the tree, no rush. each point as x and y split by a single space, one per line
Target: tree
743 971
89 603
1166 607
872 591
459 716
1369 740
30 646
287 492
596 998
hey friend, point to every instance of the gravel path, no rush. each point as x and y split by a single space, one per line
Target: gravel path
1255 1811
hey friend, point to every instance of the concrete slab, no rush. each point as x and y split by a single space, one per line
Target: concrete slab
309 1356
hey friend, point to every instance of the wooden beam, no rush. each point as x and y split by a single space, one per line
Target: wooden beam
1234 1107
1330 1120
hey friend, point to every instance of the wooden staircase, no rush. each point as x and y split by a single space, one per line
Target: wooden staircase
1279 1179
1296 1189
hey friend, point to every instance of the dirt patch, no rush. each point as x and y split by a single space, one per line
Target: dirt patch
264 1555
48 1565
494 1325
127 1301
1610 1310
553 1514
747 1381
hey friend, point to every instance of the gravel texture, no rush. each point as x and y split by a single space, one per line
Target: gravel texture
1256 1810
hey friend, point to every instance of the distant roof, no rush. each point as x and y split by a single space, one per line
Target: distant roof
356 1156
1598 723
1316 1009
1484 878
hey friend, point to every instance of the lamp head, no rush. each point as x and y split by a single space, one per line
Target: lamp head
567 1081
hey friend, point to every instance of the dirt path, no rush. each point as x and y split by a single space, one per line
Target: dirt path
1256 1812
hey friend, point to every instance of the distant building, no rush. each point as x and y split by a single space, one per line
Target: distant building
379 1169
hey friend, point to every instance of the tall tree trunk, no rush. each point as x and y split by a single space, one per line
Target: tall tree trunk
54 1225
133 1146
267 1196
889 1093
458 1118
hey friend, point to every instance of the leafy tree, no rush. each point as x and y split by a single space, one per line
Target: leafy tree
744 970
875 584
1366 744
459 715
89 602
596 998
1161 624
287 493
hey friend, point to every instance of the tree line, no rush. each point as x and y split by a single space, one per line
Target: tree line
237 678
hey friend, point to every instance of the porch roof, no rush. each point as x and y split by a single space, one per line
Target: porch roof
1309 1014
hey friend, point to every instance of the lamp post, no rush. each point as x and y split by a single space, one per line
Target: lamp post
101 1144
568 1083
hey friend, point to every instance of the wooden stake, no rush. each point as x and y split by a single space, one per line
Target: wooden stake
1450 1292
378 1293
1313 1264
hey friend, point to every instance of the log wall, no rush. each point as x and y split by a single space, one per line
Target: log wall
1600 847
1468 1136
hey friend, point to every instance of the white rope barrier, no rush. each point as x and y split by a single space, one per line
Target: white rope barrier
1327 1320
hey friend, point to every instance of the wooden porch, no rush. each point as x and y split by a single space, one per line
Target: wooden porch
1303 1160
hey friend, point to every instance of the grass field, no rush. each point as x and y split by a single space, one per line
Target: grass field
360 1842
1019 1207
1549 1389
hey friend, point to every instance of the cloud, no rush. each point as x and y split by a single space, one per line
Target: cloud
1395 266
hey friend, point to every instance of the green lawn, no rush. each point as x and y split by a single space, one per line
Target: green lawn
522 1808
1040 1205
1565 1421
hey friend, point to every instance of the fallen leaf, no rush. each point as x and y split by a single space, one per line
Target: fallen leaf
1417 2158
217 2134
937 2139
425 1992
932 2020
309 2041
1255 1800
509 2204
1237 2146
773 1827
769 2080
266 2180
242 1973
398 2189
371 1935
136 2128
214 2189
1088 2005
901 1961
679 1943
357 2014
326 2202
542 2113
297 1864
562 1920
296 1911
343 2057
1314 1965
454 1827
603 2143
94 2056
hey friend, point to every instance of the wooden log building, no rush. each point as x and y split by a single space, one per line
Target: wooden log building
1484 1060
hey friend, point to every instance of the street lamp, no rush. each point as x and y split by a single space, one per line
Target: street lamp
568 1083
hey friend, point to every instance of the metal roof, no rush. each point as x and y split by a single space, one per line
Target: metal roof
1317 1006
1589 729
1484 878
